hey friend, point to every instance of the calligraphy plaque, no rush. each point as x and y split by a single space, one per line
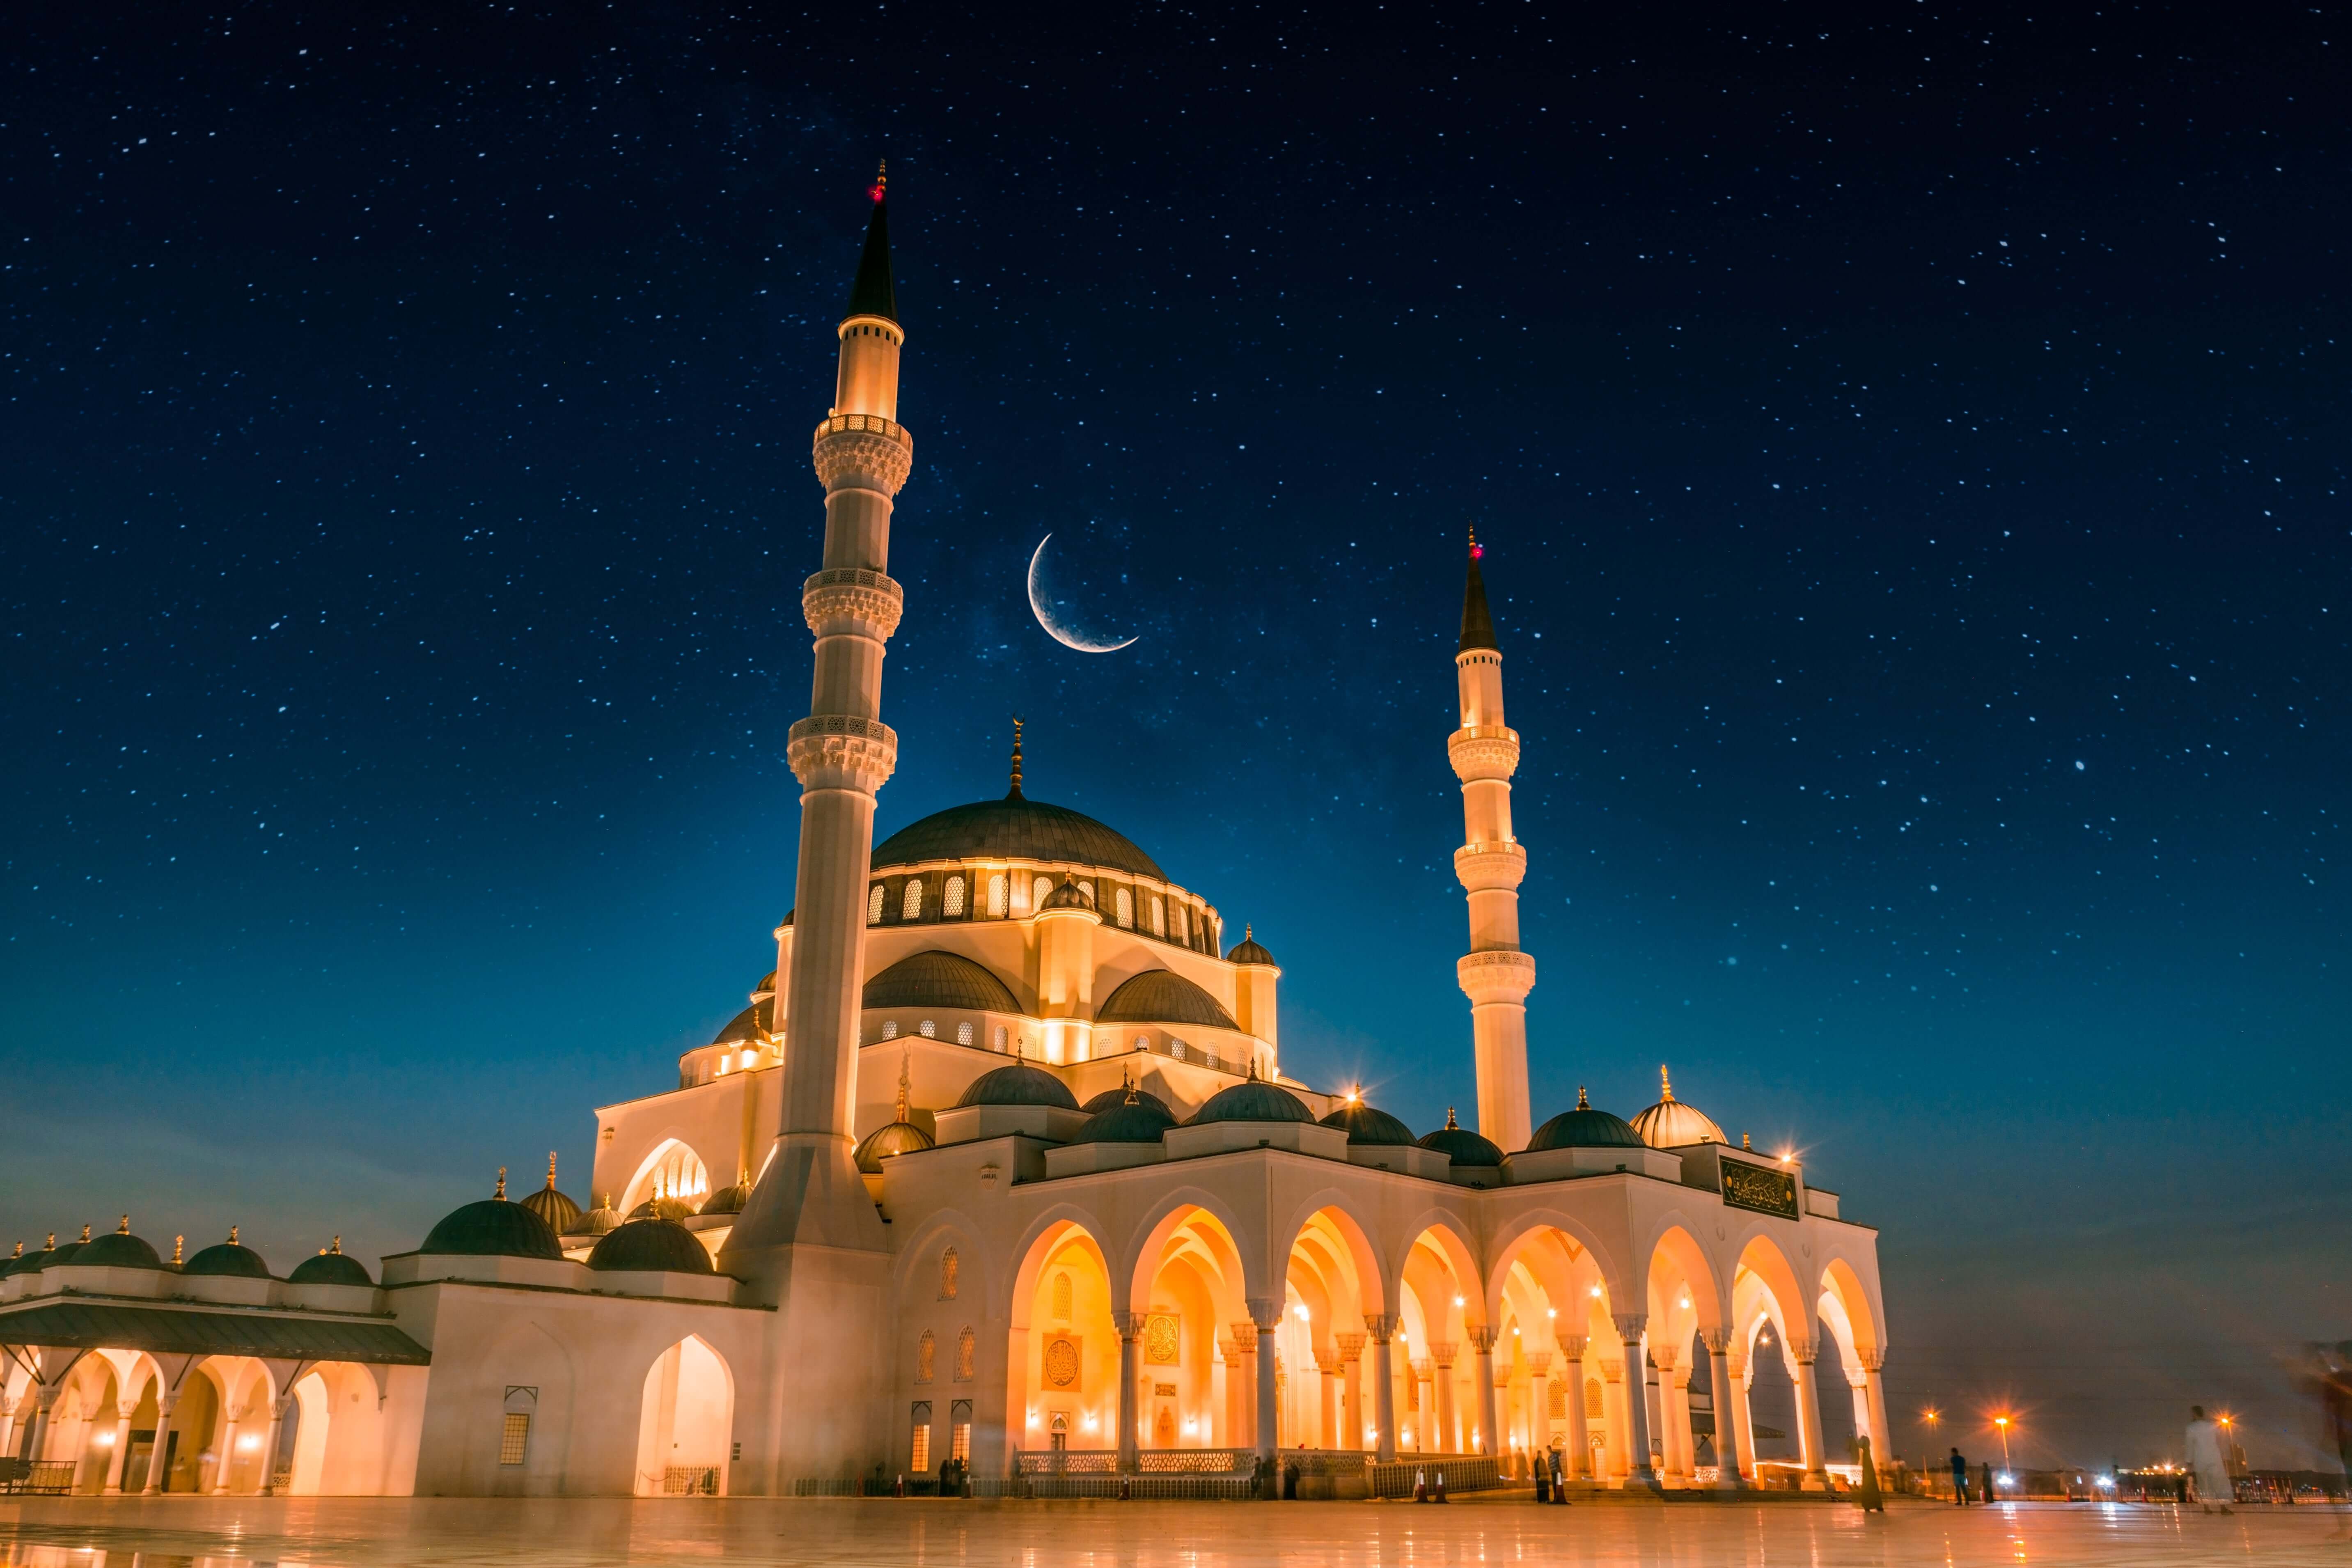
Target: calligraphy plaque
1061 1362
1762 1188
1161 1339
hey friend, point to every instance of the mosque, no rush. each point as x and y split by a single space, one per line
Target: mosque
1000 1164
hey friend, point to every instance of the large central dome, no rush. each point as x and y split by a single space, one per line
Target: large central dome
1015 828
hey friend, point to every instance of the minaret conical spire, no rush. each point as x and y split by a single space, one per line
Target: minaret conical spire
1015 793
874 294
1477 621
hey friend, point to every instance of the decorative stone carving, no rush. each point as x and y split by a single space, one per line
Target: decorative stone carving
1163 1339
1483 867
849 600
861 451
1483 752
833 751
1061 1362
1503 974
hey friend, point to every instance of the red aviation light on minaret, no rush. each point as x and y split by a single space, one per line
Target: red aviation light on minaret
881 186
1478 551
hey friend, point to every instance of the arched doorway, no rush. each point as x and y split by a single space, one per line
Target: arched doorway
1061 1373
685 1424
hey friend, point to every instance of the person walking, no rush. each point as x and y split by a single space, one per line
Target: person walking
2209 1462
1989 1495
1960 1480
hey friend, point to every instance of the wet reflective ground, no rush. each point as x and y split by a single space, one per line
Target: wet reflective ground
460 1532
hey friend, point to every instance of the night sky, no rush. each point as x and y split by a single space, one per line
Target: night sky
1911 459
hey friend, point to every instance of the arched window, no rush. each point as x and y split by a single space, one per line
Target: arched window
1182 931
952 901
963 1033
1038 891
999 1041
1062 1300
927 1029
912 909
1126 909
1159 916
1143 1042
1208 1054
1593 1399
964 1346
1086 892
948 1267
874 906
1176 1049
925 1348
996 896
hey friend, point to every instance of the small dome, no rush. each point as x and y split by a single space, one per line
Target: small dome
492 1227
229 1259
1584 1128
1162 996
1671 1124
330 1266
1111 1097
24 1262
1018 1083
600 1219
767 986
748 1026
1068 897
561 1213
1137 1118
1254 1100
1463 1146
66 1254
664 1205
935 979
726 1200
1364 1125
895 1138
1247 951
652 1243
120 1250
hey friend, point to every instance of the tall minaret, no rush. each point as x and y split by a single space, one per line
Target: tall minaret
809 1191
1494 974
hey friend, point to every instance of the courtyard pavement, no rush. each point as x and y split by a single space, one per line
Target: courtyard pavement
208 1532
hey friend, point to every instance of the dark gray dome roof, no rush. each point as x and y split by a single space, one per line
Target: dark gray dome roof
752 1022
935 979
1253 1100
491 1228
1365 1125
1140 1120
1018 1083
1247 951
897 1138
600 1219
31 1262
226 1260
120 1250
63 1253
1465 1147
1111 1097
330 1269
1163 996
726 1200
1014 829
652 1243
1584 1128
668 1205
559 1211
1070 896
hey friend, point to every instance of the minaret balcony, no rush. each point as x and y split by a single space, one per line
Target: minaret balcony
1503 974
1487 868
835 751
863 451
851 601
1481 751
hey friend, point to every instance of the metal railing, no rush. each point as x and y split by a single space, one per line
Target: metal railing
689 1480
1462 1472
1150 1485
43 1477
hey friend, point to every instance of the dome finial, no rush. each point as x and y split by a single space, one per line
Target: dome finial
232 1236
124 1228
881 186
1666 1086
84 1233
551 1169
52 1243
1127 1078
337 1249
1581 1102
1015 792
903 1051
19 1252
1744 1143
1451 1125
501 1193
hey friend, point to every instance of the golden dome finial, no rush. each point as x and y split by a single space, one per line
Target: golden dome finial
903 1052
1744 1143
124 1228
502 1183
1451 1125
52 1243
179 1247
232 1236
1666 1086
1016 758
1581 1102
337 1247
551 1169
19 1252
84 1233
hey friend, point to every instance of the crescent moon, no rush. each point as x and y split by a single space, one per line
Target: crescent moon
1037 607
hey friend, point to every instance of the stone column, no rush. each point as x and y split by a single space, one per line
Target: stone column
45 1401
1577 1459
1267 1312
1441 1377
1351 1390
227 1450
1130 1328
1730 1432
1228 1373
1423 1374
1490 1432
1639 1470
1808 1414
1245 1397
1538 1400
270 1444
166 1401
1614 1451
1328 1412
123 1411
1874 1387
1677 1388
1670 1439
1382 1329
1743 1373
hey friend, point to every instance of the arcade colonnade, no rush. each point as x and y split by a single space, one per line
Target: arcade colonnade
1348 1329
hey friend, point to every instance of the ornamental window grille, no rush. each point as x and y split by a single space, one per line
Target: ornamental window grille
996 896
890 1030
1143 1042
1061 1297
912 909
1000 1039
952 901
514 1438
1126 909
920 1454
965 1345
1176 1049
963 1033
927 1029
874 906
948 1269
1086 892
1159 918
1557 1403
1592 1398
926 1351
959 1443
1039 890
1209 1055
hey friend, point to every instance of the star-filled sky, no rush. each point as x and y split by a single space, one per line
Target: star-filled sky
1910 449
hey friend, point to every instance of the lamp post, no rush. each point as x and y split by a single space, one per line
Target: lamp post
1930 1417
2003 1422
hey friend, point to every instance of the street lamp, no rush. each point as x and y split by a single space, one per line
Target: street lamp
1931 1415
2003 1422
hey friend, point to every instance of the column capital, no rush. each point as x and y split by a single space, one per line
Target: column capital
1612 1369
1327 1363
1229 1348
1481 1340
1716 1341
1422 1366
1383 1327
1802 1352
1351 1346
1665 1357
1538 1362
853 601
1244 1337
1873 1360
1265 1311
1443 1351
124 1409
1129 1325
1571 1345
1630 1325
